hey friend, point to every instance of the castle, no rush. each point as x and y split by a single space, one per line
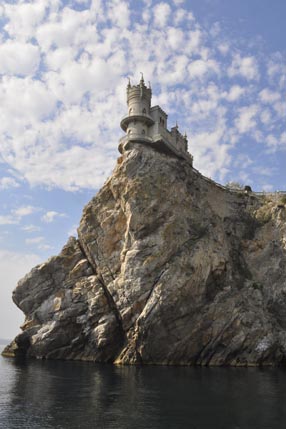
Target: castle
148 125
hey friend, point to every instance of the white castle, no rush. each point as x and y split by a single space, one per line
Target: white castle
148 125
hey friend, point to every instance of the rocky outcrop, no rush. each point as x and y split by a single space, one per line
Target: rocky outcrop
168 268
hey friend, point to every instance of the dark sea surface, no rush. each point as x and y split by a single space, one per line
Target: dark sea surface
54 394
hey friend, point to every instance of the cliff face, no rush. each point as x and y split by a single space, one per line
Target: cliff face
168 269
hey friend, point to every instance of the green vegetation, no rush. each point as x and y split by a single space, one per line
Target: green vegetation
257 286
282 200
263 214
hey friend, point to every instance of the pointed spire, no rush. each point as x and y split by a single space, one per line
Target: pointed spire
142 79
129 83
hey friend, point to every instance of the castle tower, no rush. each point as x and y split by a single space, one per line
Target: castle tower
138 120
148 125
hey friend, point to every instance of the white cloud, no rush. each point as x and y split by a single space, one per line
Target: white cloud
34 240
235 93
45 247
31 228
204 107
275 143
39 243
215 29
19 58
246 119
62 29
179 16
55 168
268 96
280 108
50 216
283 138
146 16
147 3
199 68
242 160
119 13
272 142
265 116
24 101
193 42
161 14
247 67
8 220
265 171
16 215
57 58
24 17
8 182
275 67
175 37
24 211
212 149
223 48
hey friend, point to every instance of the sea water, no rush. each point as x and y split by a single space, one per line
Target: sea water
60 394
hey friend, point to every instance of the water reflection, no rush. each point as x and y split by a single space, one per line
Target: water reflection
45 394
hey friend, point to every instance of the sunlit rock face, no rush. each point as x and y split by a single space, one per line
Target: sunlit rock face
168 268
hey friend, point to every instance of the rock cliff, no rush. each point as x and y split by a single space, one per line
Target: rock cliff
168 268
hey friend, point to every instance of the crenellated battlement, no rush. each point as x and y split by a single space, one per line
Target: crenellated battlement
139 92
178 139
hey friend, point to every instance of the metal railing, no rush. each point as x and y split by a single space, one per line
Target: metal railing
240 191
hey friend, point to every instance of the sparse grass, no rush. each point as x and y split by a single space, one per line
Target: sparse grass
263 214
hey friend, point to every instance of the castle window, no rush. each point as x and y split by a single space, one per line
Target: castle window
130 110
129 131
143 132
144 111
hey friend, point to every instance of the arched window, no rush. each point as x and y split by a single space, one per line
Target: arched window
144 111
130 110
143 132
129 131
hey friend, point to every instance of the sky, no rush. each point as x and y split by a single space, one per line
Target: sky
217 67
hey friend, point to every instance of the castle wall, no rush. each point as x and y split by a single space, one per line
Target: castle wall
160 119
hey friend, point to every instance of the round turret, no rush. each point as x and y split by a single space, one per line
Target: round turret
139 102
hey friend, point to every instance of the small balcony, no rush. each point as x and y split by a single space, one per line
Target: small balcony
143 117
135 138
